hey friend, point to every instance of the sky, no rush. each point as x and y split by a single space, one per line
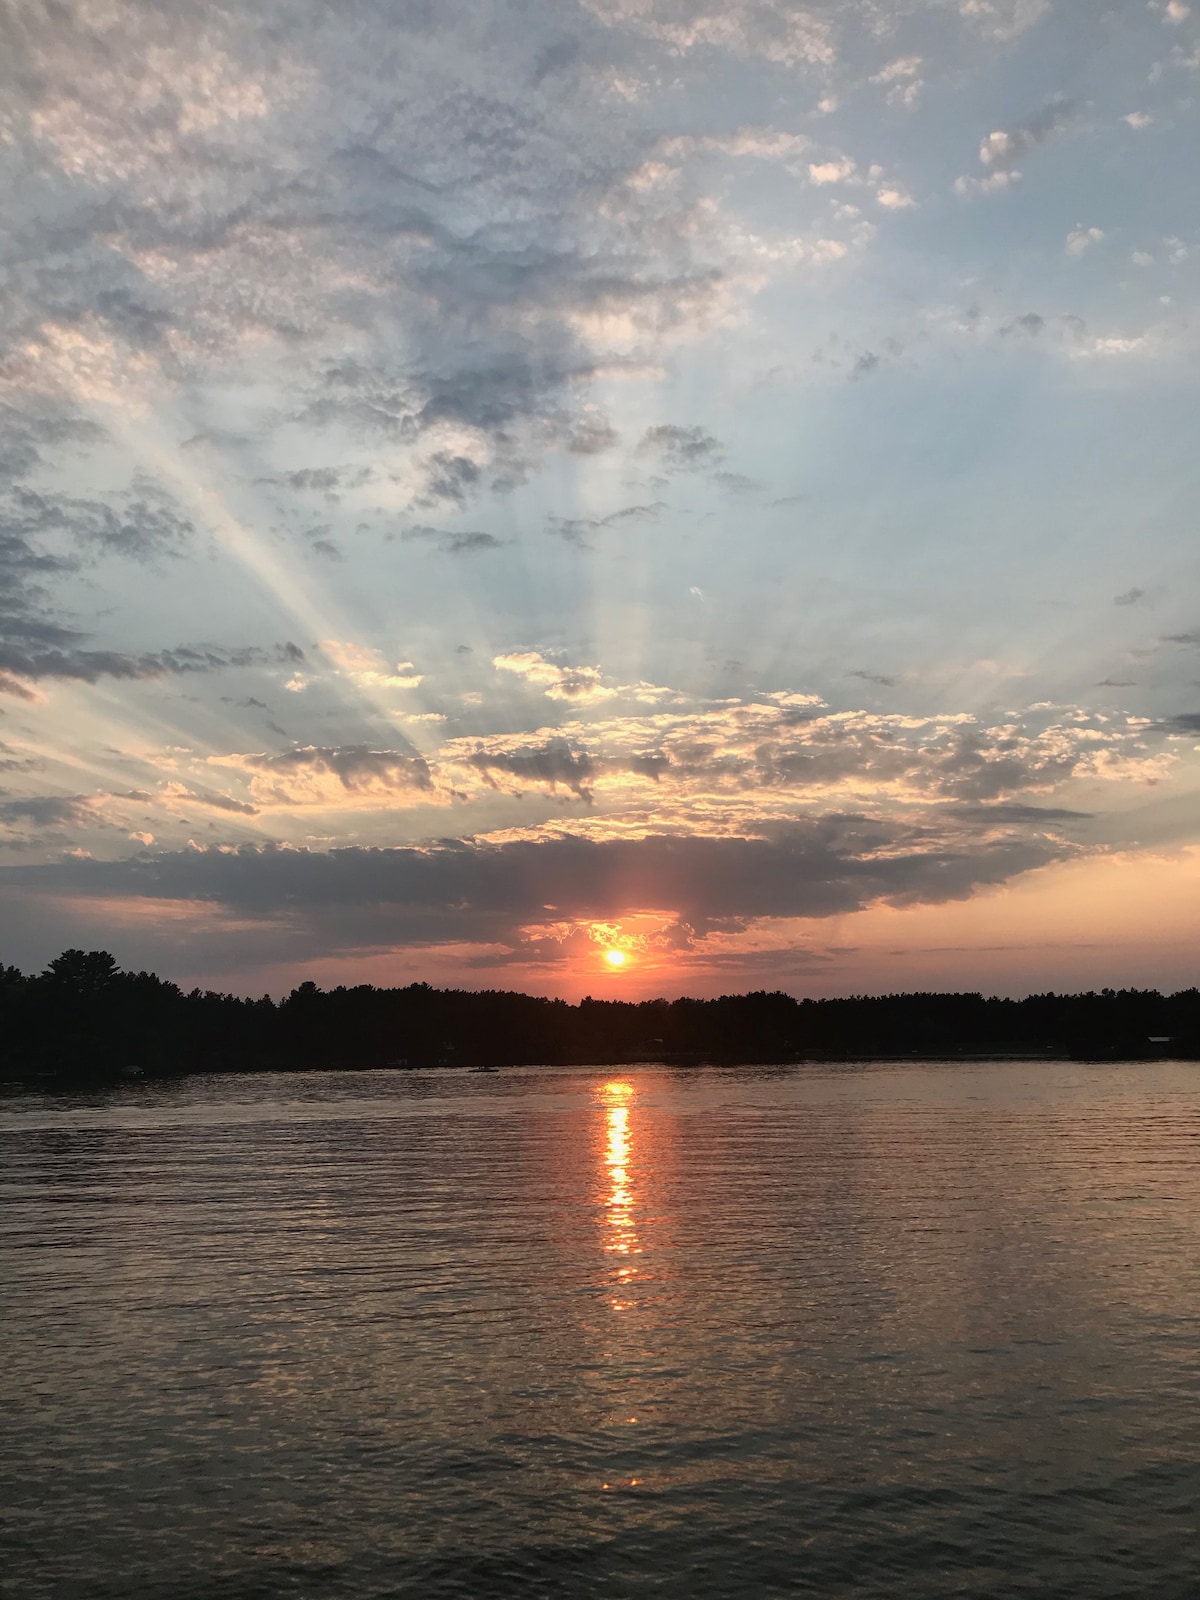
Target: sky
487 485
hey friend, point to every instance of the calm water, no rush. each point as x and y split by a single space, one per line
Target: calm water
928 1330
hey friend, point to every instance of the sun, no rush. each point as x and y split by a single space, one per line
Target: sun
615 958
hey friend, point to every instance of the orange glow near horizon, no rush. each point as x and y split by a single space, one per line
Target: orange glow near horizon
1126 918
620 1234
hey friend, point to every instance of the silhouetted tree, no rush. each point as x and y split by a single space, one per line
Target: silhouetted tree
82 972
84 1021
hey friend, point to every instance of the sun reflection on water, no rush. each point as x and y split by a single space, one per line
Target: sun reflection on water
620 1232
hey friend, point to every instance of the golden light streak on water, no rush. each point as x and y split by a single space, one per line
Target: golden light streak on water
621 1233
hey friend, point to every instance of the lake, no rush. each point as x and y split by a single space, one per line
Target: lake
920 1329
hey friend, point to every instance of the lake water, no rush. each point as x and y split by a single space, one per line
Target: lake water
925 1330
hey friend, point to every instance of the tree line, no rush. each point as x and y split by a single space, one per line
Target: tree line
85 1021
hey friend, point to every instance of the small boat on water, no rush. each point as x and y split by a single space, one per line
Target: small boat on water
485 1069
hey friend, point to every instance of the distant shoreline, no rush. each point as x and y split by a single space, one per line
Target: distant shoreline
85 1022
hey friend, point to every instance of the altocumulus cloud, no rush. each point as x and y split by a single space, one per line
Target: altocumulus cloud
723 770
474 245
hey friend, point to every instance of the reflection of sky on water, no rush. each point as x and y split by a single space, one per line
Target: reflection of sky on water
926 1329
620 1224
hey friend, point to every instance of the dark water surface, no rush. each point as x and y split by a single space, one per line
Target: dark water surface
923 1330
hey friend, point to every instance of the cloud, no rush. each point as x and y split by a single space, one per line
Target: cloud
681 449
436 252
736 482
839 170
1007 812
450 479
323 480
12 760
49 811
471 543
1071 336
770 30
893 199
368 668
757 143
320 478
476 891
139 524
181 793
48 537
744 761
225 194
1130 597
770 807
455 542
552 764
900 70
557 682
994 183
45 538
1003 19
1029 323
576 530
32 660
902 80
324 775
1001 150
1081 239
588 433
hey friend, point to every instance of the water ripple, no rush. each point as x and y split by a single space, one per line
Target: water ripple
829 1331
